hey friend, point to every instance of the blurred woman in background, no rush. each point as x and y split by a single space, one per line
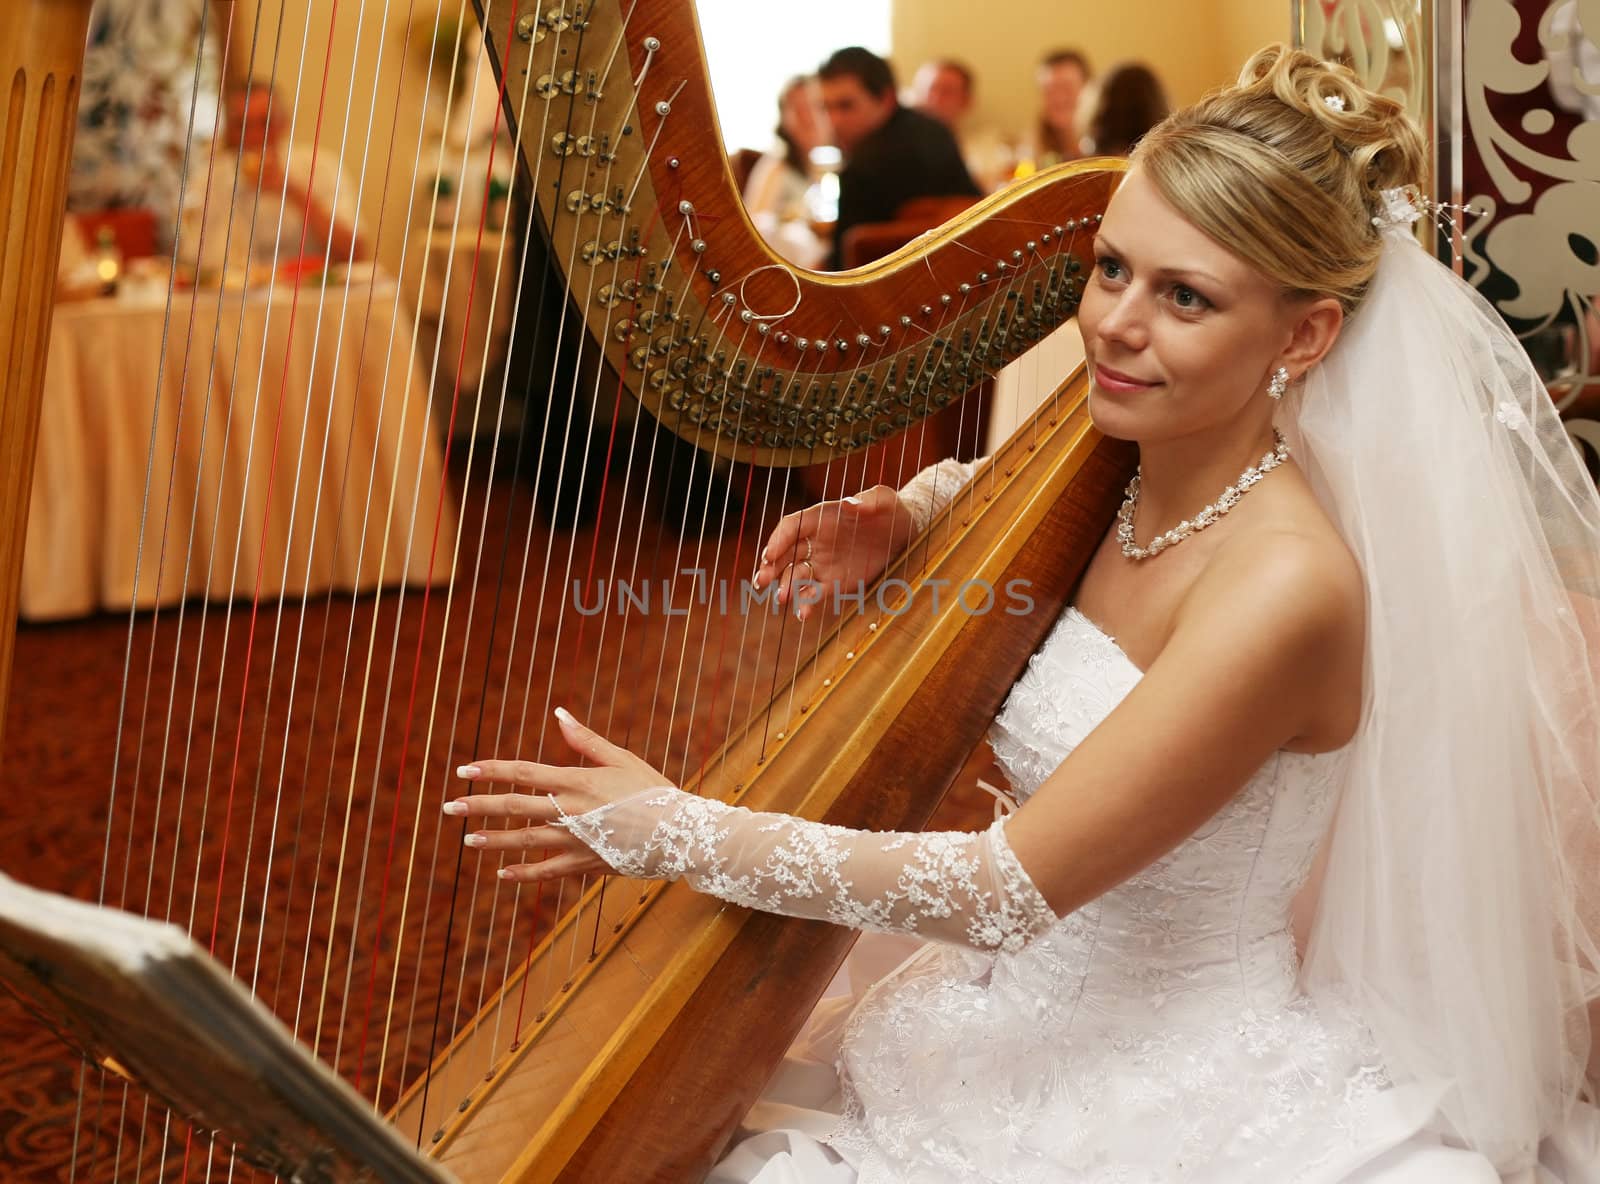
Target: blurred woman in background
1131 101
775 194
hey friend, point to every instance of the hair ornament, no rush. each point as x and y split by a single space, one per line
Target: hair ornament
1335 102
1399 207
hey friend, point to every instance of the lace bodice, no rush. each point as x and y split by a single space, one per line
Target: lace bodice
1159 1025
1212 915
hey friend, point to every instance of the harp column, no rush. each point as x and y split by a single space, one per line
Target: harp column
41 68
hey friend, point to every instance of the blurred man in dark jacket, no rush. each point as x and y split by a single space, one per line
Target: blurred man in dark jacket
891 153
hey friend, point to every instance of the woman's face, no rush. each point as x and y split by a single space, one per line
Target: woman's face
800 112
1180 334
1060 87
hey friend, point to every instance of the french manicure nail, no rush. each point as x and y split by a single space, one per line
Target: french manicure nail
455 807
476 841
504 873
468 772
565 716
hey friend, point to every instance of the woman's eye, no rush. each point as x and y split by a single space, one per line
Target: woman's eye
1109 268
1187 298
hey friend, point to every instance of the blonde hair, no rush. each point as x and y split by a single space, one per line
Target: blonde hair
1285 180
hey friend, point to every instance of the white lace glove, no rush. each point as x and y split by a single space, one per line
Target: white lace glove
932 489
951 886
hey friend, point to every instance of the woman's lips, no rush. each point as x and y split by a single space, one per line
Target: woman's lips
1113 380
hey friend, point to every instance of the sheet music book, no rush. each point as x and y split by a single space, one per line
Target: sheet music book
140 998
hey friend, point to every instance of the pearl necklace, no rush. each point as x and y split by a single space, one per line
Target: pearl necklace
1230 497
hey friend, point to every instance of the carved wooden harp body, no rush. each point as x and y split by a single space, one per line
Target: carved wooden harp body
620 1032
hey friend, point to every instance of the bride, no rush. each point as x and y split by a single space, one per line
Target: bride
1345 619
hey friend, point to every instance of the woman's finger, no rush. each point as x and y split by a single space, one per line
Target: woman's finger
782 539
802 589
587 742
539 808
788 539
524 774
525 838
568 863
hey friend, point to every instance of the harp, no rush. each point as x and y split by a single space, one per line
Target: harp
607 1030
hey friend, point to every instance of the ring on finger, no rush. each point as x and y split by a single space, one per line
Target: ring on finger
806 558
812 577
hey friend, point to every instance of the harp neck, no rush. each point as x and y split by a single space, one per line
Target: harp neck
726 344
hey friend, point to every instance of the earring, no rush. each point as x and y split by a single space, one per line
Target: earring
1279 382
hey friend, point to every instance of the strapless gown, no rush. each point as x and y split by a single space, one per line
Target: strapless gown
1157 1035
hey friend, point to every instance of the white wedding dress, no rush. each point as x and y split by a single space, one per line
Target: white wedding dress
1156 1035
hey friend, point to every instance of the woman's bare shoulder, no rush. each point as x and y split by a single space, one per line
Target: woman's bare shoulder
1293 552
1291 591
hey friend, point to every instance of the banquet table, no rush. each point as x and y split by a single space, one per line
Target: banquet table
277 440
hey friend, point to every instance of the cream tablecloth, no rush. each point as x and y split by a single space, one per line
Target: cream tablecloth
350 502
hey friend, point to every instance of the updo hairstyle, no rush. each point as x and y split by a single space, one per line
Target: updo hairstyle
1285 180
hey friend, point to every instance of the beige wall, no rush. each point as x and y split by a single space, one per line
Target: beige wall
1247 25
1193 45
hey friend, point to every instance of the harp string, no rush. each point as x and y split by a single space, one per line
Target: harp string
195 299
503 701
206 229
604 469
227 828
277 246
613 57
378 929
722 619
476 891
927 361
128 658
261 760
365 682
384 1043
338 534
621 649
261 560
670 706
443 642
520 124
595 402
440 995
416 674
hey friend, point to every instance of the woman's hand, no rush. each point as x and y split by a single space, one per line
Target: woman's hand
840 545
548 792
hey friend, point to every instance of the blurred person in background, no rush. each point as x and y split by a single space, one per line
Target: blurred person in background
945 89
264 200
140 103
1129 101
775 194
892 154
1062 76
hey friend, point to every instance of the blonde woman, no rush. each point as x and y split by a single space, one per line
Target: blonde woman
1347 609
